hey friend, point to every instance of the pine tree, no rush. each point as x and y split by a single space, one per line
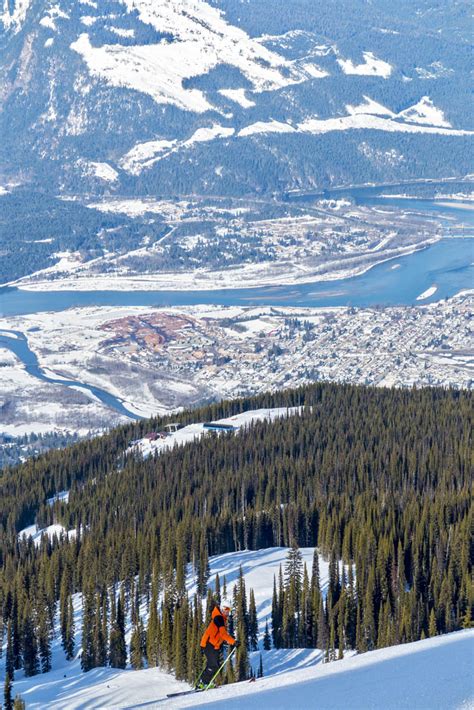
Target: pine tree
467 618
136 651
88 619
153 631
276 618
44 640
7 693
242 660
19 703
432 630
30 645
100 645
323 632
203 569
10 660
68 638
117 648
260 668
253 623
267 644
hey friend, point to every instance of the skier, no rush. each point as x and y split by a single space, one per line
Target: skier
212 639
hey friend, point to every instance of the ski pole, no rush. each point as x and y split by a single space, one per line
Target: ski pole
220 668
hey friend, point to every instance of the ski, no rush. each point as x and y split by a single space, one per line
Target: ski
208 686
183 692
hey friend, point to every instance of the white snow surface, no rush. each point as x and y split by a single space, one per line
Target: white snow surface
202 40
371 66
426 113
145 155
238 96
192 432
61 496
104 171
370 107
37 533
434 674
14 18
355 121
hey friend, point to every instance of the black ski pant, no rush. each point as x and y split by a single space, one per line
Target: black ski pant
212 662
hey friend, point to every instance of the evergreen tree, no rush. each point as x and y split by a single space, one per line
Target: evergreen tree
253 623
30 646
276 617
44 640
7 693
10 660
242 660
88 619
136 647
117 648
153 629
323 632
267 644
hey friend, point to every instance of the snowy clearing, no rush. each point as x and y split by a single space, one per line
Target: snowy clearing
425 112
14 13
355 121
37 533
193 432
62 496
203 40
238 96
371 66
370 107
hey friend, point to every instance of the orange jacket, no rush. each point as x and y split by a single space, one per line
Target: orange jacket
216 632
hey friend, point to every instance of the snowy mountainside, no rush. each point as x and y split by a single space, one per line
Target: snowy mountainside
434 674
143 97
66 687
431 674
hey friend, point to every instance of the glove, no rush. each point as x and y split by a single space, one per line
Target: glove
237 644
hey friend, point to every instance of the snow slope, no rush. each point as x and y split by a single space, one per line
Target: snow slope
191 432
434 674
371 66
426 675
202 40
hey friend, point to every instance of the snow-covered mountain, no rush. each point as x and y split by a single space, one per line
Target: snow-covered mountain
229 97
427 675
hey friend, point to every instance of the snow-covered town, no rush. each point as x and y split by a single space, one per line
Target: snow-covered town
155 361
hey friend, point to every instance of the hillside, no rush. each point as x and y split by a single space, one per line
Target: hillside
427 675
435 674
134 97
377 479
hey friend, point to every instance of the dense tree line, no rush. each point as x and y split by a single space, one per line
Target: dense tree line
377 479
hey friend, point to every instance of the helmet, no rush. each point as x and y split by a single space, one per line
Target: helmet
225 604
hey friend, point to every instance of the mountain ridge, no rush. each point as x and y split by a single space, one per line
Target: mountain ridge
72 73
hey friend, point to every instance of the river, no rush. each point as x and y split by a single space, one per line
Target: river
439 271
18 344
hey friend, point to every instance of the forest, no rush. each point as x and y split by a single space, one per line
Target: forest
377 479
